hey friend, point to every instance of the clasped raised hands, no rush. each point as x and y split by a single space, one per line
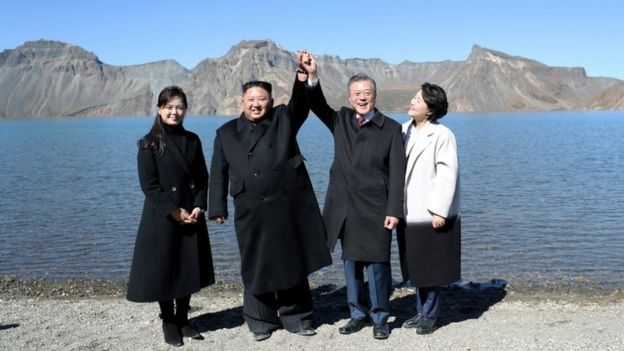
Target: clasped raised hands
306 61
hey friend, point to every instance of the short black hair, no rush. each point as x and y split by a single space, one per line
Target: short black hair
360 77
257 83
435 98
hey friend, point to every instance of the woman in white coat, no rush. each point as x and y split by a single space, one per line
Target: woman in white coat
432 245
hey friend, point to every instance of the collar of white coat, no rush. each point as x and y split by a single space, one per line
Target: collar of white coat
419 145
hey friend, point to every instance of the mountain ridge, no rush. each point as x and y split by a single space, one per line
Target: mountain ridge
46 78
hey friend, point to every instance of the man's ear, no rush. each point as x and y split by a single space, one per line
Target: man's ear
271 103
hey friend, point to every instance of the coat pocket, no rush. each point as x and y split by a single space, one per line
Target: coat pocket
236 187
296 161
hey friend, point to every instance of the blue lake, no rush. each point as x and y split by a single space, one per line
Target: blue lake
542 197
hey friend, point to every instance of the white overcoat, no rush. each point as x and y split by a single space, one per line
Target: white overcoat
432 173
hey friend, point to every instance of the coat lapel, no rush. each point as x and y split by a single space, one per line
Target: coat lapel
177 154
261 128
378 119
417 146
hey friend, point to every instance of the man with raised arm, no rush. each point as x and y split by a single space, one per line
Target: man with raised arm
364 199
278 223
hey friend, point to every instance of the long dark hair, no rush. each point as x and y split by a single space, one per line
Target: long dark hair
155 138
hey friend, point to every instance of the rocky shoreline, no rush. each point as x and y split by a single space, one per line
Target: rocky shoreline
42 288
91 314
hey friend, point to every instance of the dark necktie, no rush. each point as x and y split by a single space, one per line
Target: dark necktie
361 120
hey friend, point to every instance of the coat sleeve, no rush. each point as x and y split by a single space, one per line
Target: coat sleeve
217 205
442 192
396 178
200 177
150 182
298 107
319 106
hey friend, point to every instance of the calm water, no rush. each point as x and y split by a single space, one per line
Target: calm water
542 196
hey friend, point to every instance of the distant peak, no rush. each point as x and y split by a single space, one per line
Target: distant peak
54 48
253 45
256 44
479 51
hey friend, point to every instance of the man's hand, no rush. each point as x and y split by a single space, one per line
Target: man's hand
308 63
390 222
218 219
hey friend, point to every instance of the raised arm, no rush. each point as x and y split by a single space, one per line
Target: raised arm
316 99
298 107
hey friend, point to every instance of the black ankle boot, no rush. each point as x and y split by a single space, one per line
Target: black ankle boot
171 333
182 308
170 328
187 330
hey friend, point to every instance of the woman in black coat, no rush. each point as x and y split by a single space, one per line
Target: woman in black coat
172 256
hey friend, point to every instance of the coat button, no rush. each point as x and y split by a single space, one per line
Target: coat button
173 188
192 186
249 154
256 173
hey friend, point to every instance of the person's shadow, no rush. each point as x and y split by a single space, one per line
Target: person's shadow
330 306
459 302
8 326
229 318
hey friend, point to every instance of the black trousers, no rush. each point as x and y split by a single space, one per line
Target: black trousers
290 308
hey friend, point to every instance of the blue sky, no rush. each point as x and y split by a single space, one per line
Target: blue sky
558 33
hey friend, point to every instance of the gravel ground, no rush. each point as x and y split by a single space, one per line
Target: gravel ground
93 315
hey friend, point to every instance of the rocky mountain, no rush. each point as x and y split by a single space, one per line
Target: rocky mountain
48 78
611 98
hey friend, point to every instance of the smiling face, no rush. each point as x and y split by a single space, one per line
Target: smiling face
256 103
362 96
418 108
172 113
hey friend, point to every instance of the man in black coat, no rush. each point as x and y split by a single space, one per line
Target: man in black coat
278 223
365 195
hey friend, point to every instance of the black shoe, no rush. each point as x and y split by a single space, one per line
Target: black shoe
353 326
189 332
381 331
259 336
413 322
427 326
172 334
306 332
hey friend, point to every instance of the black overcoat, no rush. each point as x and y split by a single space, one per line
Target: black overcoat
278 223
365 181
171 260
433 256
